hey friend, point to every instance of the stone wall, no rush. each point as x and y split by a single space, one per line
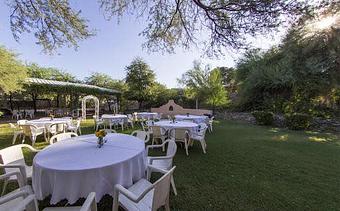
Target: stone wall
318 124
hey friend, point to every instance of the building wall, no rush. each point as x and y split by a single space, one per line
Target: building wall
171 108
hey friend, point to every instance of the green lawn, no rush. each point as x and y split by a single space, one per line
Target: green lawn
251 168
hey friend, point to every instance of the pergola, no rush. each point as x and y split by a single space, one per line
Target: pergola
36 86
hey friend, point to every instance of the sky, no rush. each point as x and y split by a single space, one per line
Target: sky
112 49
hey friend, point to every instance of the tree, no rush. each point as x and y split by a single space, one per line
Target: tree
53 23
106 81
12 72
205 85
169 24
216 94
139 78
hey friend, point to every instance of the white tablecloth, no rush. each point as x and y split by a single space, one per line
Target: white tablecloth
168 125
195 118
46 122
114 117
73 168
147 115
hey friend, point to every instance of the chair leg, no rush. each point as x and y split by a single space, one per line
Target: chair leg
14 138
4 187
203 144
167 206
173 185
186 147
33 138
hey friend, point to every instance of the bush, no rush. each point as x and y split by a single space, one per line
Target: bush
298 121
263 117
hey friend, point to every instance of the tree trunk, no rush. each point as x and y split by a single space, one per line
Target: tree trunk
196 103
34 98
11 101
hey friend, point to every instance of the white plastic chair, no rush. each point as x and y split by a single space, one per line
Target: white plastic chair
110 131
143 195
158 133
56 128
16 196
162 162
22 122
89 205
32 131
16 132
200 136
142 135
211 121
13 161
29 113
75 126
16 114
62 136
97 122
130 120
181 135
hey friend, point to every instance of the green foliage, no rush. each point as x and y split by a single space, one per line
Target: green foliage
263 117
53 23
204 85
1 113
140 79
298 121
12 72
35 71
297 76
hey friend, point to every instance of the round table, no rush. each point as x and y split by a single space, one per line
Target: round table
113 117
72 168
195 118
147 115
168 125
47 122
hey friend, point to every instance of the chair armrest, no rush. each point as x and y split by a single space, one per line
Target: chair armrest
27 201
154 146
21 168
150 167
31 148
21 180
14 195
151 159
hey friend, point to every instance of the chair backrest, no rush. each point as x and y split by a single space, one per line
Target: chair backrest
156 131
61 136
149 123
162 190
110 131
57 127
13 155
28 129
12 126
90 203
22 122
179 133
172 148
202 126
142 135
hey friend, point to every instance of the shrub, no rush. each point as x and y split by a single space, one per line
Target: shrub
263 117
298 121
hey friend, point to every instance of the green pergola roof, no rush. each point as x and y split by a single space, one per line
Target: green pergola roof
70 85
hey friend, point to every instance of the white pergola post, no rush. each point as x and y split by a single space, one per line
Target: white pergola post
83 105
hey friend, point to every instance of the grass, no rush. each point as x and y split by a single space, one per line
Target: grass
250 168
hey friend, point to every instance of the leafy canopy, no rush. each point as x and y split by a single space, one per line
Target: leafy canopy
12 72
205 85
139 78
168 23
